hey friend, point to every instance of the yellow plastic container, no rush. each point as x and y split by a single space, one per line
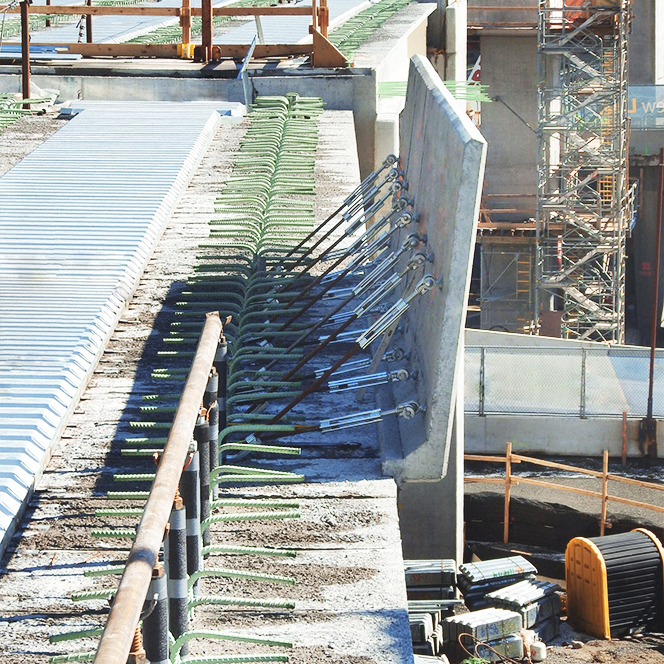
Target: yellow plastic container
588 592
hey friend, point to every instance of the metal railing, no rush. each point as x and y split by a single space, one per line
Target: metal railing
561 381
510 480
116 640
322 52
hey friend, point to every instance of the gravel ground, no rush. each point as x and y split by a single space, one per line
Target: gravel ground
22 137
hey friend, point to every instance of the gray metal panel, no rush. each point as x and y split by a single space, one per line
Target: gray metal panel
80 218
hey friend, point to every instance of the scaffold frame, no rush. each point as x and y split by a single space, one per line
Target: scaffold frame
584 200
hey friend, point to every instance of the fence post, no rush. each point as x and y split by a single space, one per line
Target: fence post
175 557
623 453
482 360
210 402
88 24
605 491
185 22
206 30
155 625
190 488
508 486
25 50
582 406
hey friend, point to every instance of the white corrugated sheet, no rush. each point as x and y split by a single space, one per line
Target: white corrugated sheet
79 219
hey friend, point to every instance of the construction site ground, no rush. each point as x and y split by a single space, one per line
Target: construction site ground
347 538
350 590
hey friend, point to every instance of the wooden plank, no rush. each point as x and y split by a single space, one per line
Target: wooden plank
484 480
206 31
284 10
559 466
636 503
629 480
484 457
125 50
552 485
326 55
170 50
261 50
83 10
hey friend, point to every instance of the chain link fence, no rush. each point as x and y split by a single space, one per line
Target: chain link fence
568 382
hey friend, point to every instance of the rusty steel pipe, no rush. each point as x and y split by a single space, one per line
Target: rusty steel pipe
116 640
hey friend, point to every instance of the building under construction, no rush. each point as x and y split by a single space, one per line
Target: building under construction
584 203
558 217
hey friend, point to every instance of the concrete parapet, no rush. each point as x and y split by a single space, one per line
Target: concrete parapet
443 156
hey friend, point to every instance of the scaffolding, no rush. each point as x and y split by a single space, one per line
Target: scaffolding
584 202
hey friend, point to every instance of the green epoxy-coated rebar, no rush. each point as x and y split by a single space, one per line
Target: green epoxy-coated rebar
92 594
249 470
254 502
133 477
248 550
239 574
142 452
123 533
111 570
264 449
119 511
74 657
204 634
255 428
218 600
359 28
248 479
127 495
73 636
144 440
247 516
232 659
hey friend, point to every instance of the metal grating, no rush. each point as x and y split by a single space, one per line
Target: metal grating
80 217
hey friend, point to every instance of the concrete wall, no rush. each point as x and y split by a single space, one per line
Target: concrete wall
509 68
443 155
352 90
646 43
554 435
431 513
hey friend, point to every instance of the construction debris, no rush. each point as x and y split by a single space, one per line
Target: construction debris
511 613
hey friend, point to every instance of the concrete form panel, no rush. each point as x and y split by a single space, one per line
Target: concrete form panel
443 155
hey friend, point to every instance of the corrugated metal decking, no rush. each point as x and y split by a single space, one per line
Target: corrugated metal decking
80 217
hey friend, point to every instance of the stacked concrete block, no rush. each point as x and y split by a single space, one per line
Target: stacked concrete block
536 602
425 624
511 646
426 659
430 579
476 580
426 633
498 628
